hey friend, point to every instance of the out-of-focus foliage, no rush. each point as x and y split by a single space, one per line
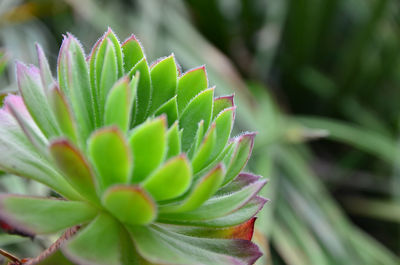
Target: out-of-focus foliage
334 62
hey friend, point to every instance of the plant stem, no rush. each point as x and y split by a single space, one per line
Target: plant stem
70 232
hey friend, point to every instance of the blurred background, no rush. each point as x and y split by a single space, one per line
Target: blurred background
318 79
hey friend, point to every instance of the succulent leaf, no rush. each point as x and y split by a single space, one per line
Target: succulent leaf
119 103
111 156
143 156
104 231
148 142
43 215
171 180
75 167
199 109
163 80
189 85
30 87
130 204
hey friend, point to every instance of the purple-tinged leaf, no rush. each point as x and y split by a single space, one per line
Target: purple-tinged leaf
240 156
16 107
130 204
243 231
31 89
190 85
222 103
75 168
43 215
237 217
73 78
19 157
220 205
45 72
243 180
111 156
160 246
96 244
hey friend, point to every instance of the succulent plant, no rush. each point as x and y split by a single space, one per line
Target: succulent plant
139 156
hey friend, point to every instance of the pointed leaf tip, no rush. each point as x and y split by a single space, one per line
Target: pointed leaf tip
241 155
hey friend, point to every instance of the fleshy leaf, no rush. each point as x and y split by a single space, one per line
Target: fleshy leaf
133 53
241 215
143 92
96 244
224 123
31 89
148 142
111 156
73 78
170 109
43 215
130 204
202 155
159 245
118 51
243 180
75 168
197 139
63 113
45 72
240 156
17 108
108 75
220 205
163 79
189 85
171 180
200 108
119 103
19 157
222 103
173 141
201 192
242 231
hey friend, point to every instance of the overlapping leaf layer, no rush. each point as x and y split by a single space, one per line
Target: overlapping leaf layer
142 154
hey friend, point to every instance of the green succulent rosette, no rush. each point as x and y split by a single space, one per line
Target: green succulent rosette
140 156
